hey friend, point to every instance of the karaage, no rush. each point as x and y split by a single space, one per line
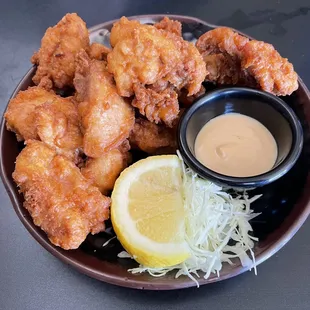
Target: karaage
122 30
42 115
233 59
141 53
99 51
273 73
106 117
59 46
58 126
221 40
144 55
104 171
59 199
151 138
20 117
161 106
220 49
170 25
186 101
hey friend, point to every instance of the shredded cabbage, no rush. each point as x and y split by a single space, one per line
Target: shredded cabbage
217 229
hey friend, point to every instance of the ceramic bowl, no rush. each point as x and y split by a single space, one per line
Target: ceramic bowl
271 111
284 206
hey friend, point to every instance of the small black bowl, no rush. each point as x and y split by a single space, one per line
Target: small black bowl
268 109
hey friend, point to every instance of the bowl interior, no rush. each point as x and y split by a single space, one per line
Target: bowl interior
284 205
266 109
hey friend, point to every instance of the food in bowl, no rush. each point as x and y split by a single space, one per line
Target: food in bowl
149 79
168 218
236 60
237 145
60 200
269 110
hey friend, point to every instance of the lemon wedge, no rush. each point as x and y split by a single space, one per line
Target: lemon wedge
147 211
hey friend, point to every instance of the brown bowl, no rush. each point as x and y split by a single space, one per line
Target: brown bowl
284 206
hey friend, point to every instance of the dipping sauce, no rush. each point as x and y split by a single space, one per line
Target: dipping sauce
236 145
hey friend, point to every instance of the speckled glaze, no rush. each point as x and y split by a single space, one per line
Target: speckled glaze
284 207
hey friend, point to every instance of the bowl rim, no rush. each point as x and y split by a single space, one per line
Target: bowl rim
116 279
242 182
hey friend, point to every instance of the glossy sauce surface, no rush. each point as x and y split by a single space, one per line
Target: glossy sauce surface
236 145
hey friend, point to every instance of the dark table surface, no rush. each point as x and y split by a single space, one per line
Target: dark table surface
31 278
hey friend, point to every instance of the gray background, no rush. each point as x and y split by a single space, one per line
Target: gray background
31 278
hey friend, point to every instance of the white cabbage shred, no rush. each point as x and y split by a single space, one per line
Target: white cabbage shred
217 230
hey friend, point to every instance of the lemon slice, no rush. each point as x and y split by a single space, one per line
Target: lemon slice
147 211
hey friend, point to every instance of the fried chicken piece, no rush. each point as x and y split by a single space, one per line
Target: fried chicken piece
220 49
58 126
104 171
221 40
233 59
170 25
99 51
222 69
59 199
151 138
59 46
106 117
160 86
42 115
161 106
191 71
122 30
144 55
20 116
273 73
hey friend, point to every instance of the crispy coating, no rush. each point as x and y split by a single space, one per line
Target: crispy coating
191 71
151 138
59 199
161 106
98 51
233 59
273 73
170 25
222 69
20 117
58 126
106 117
122 30
144 55
59 45
221 40
221 49
227 70
42 115
104 171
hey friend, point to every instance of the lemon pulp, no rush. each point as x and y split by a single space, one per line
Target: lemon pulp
147 211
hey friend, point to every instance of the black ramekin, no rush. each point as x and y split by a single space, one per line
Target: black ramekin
268 109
